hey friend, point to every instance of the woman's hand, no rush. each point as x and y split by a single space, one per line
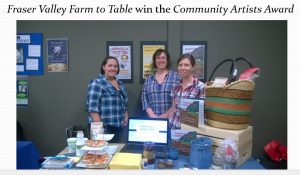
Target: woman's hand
153 116
151 113
95 116
170 111
125 121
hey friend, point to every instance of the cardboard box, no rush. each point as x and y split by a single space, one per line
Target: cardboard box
126 161
242 138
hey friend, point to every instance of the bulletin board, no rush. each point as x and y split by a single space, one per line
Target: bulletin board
29 54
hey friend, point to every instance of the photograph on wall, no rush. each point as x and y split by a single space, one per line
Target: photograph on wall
20 54
122 50
147 50
57 55
22 90
199 51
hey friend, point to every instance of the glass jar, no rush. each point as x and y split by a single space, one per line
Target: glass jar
149 152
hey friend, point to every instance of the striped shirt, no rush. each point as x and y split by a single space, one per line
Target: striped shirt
157 96
110 103
194 91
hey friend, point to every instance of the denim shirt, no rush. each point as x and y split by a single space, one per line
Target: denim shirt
110 103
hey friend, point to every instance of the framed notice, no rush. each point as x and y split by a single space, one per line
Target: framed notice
122 50
29 54
148 48
57 55
199 50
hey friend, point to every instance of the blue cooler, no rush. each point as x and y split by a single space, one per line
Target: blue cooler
200 153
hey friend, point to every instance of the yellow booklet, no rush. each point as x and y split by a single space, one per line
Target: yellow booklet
126 161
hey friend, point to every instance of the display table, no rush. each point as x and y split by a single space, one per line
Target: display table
182 161
27 155
249 164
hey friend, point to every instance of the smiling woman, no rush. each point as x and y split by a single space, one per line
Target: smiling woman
188 88
157 88
107 99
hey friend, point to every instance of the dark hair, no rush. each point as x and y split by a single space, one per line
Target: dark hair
156 54
188 56
105 61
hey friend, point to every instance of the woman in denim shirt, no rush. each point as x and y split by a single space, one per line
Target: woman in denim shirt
156 99
107 99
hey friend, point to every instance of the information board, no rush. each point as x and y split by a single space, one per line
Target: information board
29 54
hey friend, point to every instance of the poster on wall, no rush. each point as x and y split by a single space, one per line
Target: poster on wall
147 50
199 51
29 57
22 90
57 55
122 50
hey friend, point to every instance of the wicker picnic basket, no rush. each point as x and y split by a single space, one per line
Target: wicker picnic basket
229 106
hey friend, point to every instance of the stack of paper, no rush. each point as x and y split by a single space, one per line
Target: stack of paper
126 161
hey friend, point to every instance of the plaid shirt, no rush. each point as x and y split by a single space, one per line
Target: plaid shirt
194 91
157 96
110 103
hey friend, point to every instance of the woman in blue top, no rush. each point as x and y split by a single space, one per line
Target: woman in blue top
156 99
107 99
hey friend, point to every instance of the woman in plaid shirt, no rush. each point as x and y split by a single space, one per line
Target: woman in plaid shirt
189 87
107 99
156 99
